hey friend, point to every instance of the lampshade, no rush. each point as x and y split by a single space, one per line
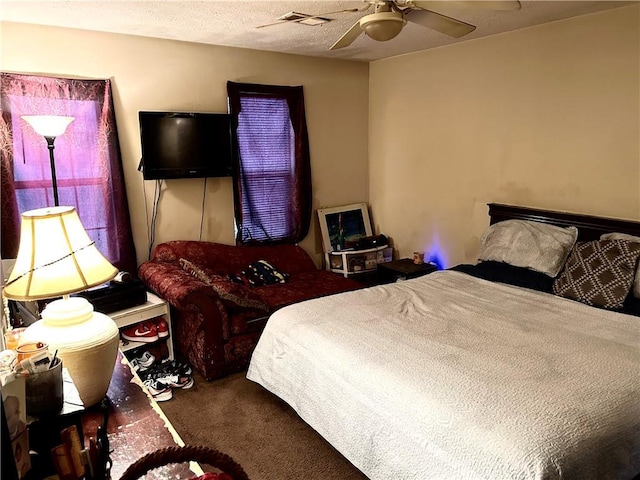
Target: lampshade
48 125
57 257
382 26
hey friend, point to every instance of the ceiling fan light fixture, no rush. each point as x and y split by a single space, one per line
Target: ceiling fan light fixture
382 26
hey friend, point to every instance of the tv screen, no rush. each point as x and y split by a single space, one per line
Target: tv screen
185 145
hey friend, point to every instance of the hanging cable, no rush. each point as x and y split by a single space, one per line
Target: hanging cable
204 194
156 201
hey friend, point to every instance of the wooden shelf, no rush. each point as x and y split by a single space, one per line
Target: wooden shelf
152 308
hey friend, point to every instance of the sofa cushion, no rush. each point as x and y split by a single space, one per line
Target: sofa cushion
304 286
233 295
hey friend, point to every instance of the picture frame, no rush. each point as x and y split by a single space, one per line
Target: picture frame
343 226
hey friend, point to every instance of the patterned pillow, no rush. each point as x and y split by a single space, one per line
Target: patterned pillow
599 273
629 238
523 243
259 273
231 294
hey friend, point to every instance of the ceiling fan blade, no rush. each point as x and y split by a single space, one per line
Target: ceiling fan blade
440 23
274 23
481 4
349 37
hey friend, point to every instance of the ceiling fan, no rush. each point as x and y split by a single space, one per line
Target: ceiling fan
390 16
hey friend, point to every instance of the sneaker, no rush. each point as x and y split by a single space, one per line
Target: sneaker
183 382
134 365
171 380
140 332
175 367
143 362
158 390
162 327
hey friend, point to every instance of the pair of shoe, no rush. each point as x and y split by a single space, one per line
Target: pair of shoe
148 331
162 378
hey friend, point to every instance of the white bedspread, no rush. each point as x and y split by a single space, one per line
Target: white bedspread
451 377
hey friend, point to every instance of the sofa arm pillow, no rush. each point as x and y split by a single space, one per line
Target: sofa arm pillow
232 294
630 238
523 243
599 273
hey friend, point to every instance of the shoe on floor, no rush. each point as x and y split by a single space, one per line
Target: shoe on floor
162 327
169 379
184 383
175 367
158 390
144 332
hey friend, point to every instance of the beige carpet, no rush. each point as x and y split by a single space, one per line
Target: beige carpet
257 429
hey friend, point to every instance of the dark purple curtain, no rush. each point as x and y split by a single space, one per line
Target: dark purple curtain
270 206
87 158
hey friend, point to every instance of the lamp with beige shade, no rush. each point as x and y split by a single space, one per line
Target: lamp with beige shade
56 258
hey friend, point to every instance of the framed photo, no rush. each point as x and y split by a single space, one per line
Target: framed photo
342 227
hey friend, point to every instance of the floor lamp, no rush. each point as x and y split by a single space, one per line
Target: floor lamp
50 127
56 258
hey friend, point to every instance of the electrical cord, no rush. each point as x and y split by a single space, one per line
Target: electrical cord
154 215
204 194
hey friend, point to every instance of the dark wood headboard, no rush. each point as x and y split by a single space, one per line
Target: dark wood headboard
589 227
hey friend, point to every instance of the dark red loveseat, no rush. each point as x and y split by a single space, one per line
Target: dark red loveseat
216 337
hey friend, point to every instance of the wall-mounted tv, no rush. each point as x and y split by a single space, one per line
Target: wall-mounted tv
186 145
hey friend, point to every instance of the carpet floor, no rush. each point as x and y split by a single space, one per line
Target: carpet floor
257 429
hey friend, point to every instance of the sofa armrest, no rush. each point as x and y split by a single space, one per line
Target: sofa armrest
173 284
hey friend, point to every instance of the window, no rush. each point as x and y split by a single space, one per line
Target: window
273 176
87 160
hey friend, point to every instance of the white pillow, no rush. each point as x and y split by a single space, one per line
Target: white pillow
534 245
630 238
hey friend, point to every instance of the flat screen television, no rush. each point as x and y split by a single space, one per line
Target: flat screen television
186 145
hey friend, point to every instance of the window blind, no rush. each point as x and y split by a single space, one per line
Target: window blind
266 152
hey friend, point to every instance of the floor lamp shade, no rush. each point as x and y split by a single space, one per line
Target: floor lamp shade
56 257
48 125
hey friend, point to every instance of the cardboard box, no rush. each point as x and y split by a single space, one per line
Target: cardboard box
12 388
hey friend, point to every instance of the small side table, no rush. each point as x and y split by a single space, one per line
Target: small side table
154 307
403 269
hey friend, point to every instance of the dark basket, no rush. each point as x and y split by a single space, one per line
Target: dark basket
167 455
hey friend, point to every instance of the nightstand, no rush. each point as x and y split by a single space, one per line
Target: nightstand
403 269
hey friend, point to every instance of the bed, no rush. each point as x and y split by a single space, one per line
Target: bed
462 375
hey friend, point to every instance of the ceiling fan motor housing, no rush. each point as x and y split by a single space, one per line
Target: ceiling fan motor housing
382 26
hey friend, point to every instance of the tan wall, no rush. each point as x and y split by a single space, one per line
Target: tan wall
546 117
151 74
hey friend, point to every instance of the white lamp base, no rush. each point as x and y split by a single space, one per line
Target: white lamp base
86 341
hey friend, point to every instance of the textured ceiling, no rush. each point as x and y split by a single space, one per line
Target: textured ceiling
233 22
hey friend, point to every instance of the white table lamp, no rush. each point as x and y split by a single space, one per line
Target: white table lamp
56 257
